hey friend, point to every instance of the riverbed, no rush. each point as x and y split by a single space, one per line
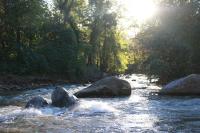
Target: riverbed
143 112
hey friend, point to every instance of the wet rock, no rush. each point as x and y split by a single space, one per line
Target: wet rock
61 98
189 85
36 102
107 87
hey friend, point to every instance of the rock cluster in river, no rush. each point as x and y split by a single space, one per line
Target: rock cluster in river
107 87
189 85
60 98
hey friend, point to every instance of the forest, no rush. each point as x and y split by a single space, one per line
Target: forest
84 39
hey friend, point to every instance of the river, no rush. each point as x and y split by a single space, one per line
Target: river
143 112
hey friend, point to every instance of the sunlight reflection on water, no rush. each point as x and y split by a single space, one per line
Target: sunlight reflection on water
141 112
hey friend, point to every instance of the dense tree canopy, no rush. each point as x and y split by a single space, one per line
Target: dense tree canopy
81 39
74 38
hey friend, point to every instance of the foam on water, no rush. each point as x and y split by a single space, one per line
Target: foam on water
90 107
11 113
141 112
9 116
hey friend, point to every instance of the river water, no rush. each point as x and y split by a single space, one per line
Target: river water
143 112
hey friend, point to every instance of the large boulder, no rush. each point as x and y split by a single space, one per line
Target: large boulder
61 98
107 87
36 102
189 85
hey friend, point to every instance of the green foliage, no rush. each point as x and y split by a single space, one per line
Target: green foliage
19 32
73 39
170 45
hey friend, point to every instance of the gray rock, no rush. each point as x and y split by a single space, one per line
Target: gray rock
61 98
107 87
36 102
189 85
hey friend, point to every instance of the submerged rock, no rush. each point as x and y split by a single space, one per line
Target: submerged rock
61 98
36 102
107 87
189 85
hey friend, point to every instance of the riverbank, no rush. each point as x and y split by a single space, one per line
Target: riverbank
11 84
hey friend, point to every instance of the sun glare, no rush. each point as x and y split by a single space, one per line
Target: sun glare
141 10
136 12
